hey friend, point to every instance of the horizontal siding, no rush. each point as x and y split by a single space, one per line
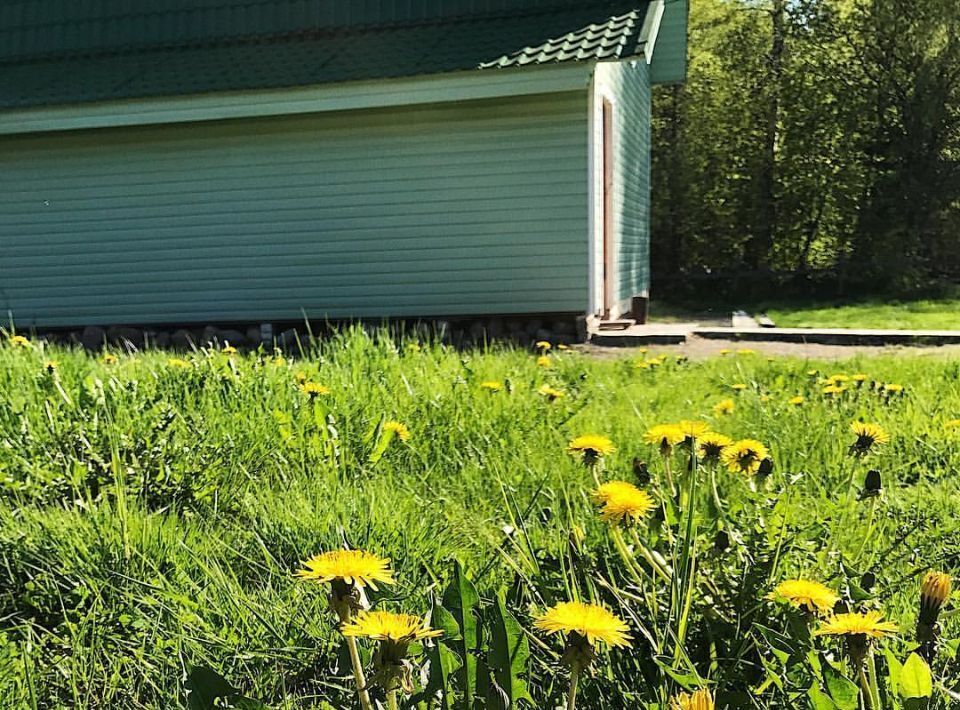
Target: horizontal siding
669 64
630 84
478 207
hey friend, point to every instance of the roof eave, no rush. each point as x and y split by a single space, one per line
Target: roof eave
381 93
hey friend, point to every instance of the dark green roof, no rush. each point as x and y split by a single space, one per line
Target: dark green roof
68 51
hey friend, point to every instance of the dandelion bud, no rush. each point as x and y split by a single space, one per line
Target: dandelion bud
872 485
934 592
641 472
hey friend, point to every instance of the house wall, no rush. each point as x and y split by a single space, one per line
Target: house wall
627 86
669 65
468 208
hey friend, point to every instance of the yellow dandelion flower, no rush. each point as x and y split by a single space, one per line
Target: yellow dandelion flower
544 361
692 429
859 377
724 406
300 376
544 345
413 347
796 401
746 351
641 365
656 361
178 363
51 366
624 503
643 351
18 341
725 351
397 429
387 626
590 447
354 567
605 490
491 385
801 593
712 444
563 346
588 621
664 436
837 379
313 389
869 624
700 700
744 456
834 390
109 359
551 393
229 350
868 436
951 424
893 388
934 592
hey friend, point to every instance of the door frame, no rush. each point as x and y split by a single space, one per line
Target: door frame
608 231
602 243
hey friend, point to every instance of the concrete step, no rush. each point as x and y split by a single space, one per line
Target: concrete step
833 336
615 324
640 335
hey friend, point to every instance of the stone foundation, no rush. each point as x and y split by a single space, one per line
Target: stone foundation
523 331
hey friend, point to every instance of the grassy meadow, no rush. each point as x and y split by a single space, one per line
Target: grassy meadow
154 509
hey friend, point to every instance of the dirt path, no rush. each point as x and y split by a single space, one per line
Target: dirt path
699 348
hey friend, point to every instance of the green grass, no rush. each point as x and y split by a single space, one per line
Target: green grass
915 314
152 516
926 314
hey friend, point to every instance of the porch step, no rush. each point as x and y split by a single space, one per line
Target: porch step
615 324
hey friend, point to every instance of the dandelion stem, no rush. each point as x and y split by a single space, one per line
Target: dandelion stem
358 674
662 569
866 537
872 679
574 681
392 700
716 493
669 474
628 559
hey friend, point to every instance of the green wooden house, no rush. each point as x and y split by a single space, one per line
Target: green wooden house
198 161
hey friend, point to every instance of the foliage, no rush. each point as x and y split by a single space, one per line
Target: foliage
152 516
816 145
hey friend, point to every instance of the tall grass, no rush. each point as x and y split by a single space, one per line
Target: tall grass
151 514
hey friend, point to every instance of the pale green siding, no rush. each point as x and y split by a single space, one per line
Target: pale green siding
669 64
629 83
476 207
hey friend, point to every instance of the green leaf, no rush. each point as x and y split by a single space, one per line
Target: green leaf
443 620
443 664
894 668
205 686
819 700
844 692
460 598
916 681
508 656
